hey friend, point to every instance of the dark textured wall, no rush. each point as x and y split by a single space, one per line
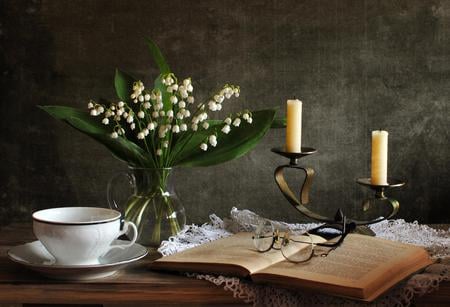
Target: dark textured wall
357 66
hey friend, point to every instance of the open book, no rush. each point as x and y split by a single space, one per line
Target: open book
363 267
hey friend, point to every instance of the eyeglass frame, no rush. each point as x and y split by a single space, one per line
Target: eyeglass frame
343 226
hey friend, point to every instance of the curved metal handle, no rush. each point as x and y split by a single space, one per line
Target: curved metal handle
395 207
304 192
304 197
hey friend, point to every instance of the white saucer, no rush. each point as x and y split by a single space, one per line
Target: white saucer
35 257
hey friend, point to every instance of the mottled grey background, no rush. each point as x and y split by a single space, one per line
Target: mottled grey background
357 66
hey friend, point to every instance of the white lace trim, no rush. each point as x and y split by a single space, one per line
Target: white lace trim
437 242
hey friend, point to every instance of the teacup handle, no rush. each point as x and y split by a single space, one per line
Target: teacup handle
124 230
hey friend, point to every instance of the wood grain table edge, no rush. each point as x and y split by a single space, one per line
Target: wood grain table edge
157 288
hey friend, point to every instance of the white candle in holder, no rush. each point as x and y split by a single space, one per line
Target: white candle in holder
379 157
294 126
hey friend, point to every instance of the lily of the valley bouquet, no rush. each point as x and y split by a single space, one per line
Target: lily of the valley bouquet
156 127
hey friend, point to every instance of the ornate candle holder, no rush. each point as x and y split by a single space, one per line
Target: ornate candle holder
301 203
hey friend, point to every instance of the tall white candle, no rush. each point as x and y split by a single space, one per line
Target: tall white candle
379 157
294 126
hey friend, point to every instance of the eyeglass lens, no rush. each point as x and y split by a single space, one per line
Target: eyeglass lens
297 248
263 237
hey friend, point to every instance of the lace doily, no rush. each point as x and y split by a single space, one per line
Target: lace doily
437 242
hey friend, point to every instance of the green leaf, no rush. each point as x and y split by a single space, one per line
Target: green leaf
158 57
121 148
123 84
279 122
235 144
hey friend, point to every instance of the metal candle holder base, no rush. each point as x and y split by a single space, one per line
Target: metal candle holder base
300 204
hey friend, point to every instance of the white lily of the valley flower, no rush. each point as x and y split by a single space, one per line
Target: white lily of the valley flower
219 98
237 122
184 94
147 105
140 135
205 125
226 129
141 98
173 99
212 105
170 113
90 105
141 114
250 120
182 104
159 152
94 112
120 104
187 113
175 87
183 127
194 127
218 106
245 116
227 121
119 112
203 116
190 99
155 114
170 89
105 121
176 129
204 146
166 144
162 113
146 97
213 140
133 96
189 88
114 135
151 126
130 119
132 126
186 82
146 132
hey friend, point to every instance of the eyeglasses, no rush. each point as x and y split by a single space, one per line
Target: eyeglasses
301 248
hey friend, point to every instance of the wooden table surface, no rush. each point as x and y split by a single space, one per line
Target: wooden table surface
135 284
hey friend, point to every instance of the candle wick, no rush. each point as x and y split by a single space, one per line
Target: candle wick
294 97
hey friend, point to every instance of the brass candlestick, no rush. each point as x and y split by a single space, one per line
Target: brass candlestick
300 204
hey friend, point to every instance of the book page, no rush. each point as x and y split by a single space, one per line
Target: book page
358 264
234 255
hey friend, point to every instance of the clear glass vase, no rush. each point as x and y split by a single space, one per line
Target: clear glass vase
151 204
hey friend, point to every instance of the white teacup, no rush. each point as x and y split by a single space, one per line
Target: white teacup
80 235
